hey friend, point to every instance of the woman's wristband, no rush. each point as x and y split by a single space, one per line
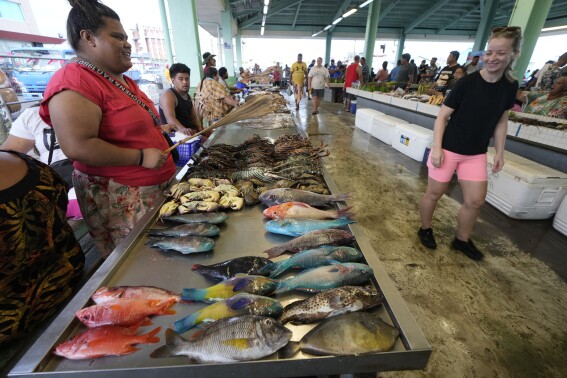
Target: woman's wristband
141 159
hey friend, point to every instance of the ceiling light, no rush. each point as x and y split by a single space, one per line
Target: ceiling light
316 34
349 12
327 27
266 2
337 21
554 28
262 30
265 9
264 20
365 3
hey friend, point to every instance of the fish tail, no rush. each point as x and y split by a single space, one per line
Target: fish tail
275 251
150 337
282 287
188 322
289 350
342 213
341 197
173 344
279 269
266 269
345 220
193 295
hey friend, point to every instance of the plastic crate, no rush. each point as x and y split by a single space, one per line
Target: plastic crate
186 150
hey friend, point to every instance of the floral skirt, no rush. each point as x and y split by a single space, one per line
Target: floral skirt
110 209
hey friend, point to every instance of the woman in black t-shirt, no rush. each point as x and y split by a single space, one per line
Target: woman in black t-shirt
475 111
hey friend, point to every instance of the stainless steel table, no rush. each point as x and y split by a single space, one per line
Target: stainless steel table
132 263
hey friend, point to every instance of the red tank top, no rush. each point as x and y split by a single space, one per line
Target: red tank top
351 75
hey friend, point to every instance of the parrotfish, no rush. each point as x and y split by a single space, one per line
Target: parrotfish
183 244
230 268
188 229
312 239
213 218
282 195
242 283
299 227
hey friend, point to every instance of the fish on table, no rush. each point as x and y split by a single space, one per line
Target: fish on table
300 210
311 240
241 338
123 312
230 268
107 340
108 294
213 218
326 277
240 304
187 229
183 244
348 334
282 195
329 303
299 227
242 283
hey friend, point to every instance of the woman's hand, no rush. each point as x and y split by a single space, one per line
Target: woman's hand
498 163
154 158
436 157
168 128
186 131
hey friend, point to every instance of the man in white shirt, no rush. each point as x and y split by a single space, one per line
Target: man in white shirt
318 79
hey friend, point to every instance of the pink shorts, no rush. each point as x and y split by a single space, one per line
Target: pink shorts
468 167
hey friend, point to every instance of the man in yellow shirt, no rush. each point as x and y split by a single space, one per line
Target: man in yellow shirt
298 78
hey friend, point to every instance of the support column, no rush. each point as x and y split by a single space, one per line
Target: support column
401 44
184 24
328 48
238 49
530 15
165 28
227 39
485 25
371 29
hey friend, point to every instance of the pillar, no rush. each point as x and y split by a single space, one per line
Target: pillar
227 38
485 25
371 29
328 48
401 43
238 46
165 27
530 15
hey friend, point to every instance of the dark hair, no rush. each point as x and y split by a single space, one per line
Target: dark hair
222 71
177 68
211 72
86 15
384 64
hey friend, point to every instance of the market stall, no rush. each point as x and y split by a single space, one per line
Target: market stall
243 234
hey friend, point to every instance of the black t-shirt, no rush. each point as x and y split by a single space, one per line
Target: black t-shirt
478 106
445 78
183 110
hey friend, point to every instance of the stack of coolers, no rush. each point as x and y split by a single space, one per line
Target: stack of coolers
364 117
560 220
412 140
524 189
383 127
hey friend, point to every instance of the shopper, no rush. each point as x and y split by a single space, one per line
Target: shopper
382 75
115 141
298 78
41 261
318 79
474 65
175 105
365 71
404 77
214 101
208 62
475 111
445 77
394 73
353 74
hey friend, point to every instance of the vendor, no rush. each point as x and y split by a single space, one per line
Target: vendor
208 62
551 104
214 102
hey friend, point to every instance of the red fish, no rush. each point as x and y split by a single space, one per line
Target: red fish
106 294
300 210
108 340
123 312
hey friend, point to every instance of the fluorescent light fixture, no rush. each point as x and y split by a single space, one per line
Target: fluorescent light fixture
327 27
365 3
316 34
265 9
264 20
349 12
262 30
266 2
337 21
554 28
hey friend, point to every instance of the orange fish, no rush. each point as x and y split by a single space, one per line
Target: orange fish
108 340
299 210
123 312
106 294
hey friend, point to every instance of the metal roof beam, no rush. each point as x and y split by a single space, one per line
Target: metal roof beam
466 14
339 13
273 10
296 14
438 5
387 10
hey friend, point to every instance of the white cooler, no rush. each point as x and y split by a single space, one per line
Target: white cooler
383 127
560 220
525 189
412 140
364 117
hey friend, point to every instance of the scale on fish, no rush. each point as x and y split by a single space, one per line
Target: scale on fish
123 312
230 268
213 218
282 195
108 294
298 210
188 229
312 239
299 227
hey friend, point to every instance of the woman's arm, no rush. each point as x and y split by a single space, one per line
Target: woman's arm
230 101
438 131
76 121
499 136
167 104
18 144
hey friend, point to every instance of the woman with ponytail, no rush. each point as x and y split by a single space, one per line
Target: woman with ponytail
107 125
475 111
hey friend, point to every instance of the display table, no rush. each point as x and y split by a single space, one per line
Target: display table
541 144
334 93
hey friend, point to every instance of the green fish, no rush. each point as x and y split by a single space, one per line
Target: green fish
183 244
188 229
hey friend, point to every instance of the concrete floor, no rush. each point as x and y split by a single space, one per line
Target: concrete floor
503 317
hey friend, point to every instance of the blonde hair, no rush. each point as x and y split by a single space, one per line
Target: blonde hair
515 34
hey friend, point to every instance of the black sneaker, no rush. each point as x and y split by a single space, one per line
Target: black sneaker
426 238
468 249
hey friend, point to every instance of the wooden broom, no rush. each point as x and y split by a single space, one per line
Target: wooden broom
255 107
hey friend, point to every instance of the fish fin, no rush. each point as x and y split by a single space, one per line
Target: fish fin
241 284
341 197
289 350
346 220
186 323
266 269
240 344
193 295
282 287
173 342
238 303
196 267
150 337
201 329
278 270
345 213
